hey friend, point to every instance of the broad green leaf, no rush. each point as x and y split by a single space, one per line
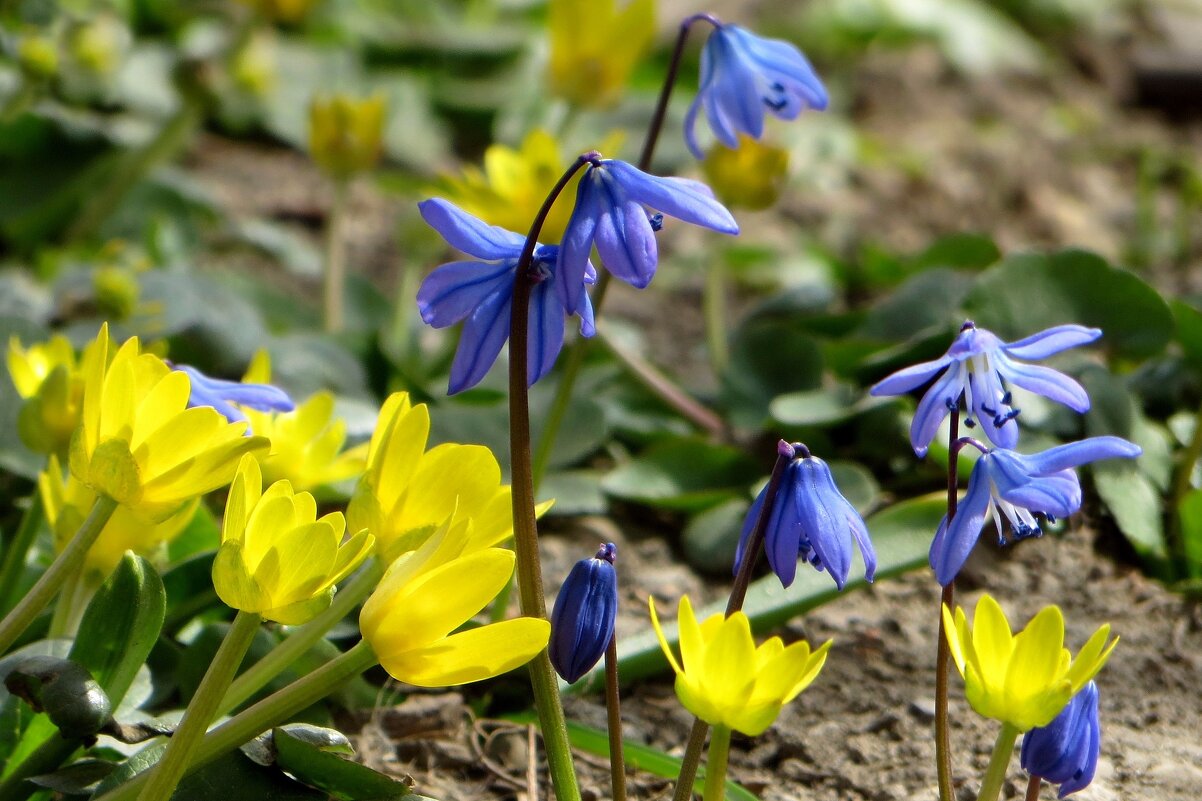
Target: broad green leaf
1189 330
768 357
201 535
710 538
823 407
189 587
1189 514
336 775
684 474
576 492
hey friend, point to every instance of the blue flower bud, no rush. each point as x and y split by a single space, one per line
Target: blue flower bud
1065 752
582 623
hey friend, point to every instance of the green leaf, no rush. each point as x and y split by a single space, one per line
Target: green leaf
79 778
234 777
901 535
930 299
685 474
711 538
823 407
328 771
201 535
637 756
576 492
1189 330
768 357
189 587
1028 292
1190 516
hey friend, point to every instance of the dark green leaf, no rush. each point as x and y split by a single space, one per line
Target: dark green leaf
79 778
823 407
768 357
711 538
341 778
576 492
685 474
1190 516
64 690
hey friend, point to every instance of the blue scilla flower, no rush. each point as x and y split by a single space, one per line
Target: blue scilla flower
582 622
1065 752
611 212
481 293
744 77
222 395
978 367
1017 487
810 519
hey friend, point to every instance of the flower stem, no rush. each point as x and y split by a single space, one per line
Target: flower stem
63 567
525 527
995 774
575 357
690 761
943 655
714 302
16 550
755 544
613 710
201 709
715 765
301 639
334 286
1033 786
272 710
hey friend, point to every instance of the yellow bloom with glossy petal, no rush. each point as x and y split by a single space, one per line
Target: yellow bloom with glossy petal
50 379
277 558
724 679
138 441
67 503
407 492
430 592
595 46
1023 679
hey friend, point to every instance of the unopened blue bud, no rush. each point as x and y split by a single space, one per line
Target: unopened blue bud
1065 752
582 623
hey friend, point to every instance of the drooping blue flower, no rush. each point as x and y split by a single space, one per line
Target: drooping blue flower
582 622
810 519
978 366
1019 487
1065 752
611 212
744 77
222 395
481 294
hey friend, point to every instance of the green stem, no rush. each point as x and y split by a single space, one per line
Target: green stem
525 527
274 709
714 302
689 762
715 764
64 565
995 774
17 549
64 606
943 653
135 166
301 639
665 389
613 714
165 776
334 288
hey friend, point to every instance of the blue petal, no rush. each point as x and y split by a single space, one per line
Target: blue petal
821 515
582 621
221 395
544 333
454 290
782 57
464 232
626 243
1051 341
783 536
573 265
483 335
1058 494
933 408
705 87
753 514
690 201
720 123
1075 454
909 378
736 90
1044 381
953 544
588 325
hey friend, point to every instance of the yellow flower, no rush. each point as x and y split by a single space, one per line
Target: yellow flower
345 133
277 558
306 443
430 592
594 47
751 177
408 492
67 502
725 680
1026 679
48 377
140 444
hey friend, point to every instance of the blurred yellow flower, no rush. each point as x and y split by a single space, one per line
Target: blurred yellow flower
750 177
430 592
67 503
50 380
346 133
138 441
595 46
277 558
725 680
408 492
513 184
1023 680
289 12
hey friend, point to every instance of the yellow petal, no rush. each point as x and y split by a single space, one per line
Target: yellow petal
992 643
245 492
659 633
450 475
394 457
471 655
1092 658
352 554
692 640
951 630
235 587
307 554
728 668
301 612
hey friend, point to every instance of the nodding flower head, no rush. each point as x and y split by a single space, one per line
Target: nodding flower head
977 367
1065 752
